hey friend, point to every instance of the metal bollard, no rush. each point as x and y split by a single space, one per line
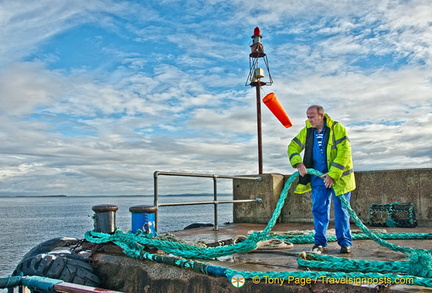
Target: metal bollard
143 218
105 218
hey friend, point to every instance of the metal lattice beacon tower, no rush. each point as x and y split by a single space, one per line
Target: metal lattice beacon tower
256 74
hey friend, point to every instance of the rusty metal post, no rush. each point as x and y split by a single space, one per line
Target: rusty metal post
259 128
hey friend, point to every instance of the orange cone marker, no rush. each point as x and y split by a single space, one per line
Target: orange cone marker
272 102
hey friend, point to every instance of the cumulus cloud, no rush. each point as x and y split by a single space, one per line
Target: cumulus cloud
98 95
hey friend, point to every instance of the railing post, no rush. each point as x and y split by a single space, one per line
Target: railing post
156 198
215 197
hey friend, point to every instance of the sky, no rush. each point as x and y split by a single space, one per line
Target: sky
97 95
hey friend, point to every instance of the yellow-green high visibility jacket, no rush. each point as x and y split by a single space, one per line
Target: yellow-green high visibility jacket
338 156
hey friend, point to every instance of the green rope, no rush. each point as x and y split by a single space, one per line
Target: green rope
419 266
420 259
373 236
328 262
189 251
309 238
175 248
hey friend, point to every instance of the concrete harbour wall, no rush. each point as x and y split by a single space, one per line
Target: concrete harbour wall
373 187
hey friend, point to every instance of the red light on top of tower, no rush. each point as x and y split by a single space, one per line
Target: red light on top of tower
257 31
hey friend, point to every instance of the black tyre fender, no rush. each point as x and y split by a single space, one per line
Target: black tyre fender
62 265
198 225
50 245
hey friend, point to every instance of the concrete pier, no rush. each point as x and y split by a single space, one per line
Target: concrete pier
118 272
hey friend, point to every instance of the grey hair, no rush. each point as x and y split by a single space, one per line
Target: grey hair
320 109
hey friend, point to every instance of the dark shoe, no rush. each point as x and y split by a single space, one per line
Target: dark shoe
345 249
318 249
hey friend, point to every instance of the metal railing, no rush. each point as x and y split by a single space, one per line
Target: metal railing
215 200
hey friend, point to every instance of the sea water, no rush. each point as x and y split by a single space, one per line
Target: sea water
27 221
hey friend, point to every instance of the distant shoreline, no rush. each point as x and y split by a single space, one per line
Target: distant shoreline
54 195
120 195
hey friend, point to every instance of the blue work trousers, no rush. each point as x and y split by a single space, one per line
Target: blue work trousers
321 200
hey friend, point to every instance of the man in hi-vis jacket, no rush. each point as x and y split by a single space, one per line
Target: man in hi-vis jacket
327 149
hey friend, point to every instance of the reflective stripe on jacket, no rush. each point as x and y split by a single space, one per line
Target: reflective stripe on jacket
338 154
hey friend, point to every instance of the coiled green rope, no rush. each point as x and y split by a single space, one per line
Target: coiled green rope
419 266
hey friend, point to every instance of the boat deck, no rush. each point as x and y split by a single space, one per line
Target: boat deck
280 259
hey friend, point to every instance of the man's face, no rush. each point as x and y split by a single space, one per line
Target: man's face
315 119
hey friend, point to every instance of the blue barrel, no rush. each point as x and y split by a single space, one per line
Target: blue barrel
143 218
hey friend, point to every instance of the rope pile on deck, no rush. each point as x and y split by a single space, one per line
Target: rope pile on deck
418 267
